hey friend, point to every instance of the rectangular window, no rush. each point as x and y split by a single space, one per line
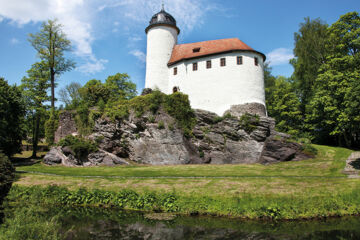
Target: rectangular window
195 66
239 60
208 64
222 62
256 61
175 71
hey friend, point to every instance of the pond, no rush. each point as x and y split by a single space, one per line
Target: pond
95 223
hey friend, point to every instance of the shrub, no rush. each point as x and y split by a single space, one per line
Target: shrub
249 122
161 125
308 149
81 147
176 105
6 176
50 127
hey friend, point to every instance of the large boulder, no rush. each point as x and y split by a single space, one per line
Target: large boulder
156 139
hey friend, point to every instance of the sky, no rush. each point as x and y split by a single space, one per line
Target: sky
108 36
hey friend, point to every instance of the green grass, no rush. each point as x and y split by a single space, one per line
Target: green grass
329 162
309 188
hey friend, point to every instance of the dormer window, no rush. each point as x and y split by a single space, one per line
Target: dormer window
195 50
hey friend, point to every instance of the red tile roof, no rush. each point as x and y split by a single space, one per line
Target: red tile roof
185 51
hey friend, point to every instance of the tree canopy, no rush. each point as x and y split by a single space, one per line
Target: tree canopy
35 87
51 44
12 111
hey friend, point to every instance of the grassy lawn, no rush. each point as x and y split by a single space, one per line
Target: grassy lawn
329 163
319 176
310 188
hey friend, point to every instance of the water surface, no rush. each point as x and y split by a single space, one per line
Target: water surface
85 223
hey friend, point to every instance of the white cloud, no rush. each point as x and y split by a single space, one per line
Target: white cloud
139 55
279 56
188 13
135 38
93 66
74 15
14 41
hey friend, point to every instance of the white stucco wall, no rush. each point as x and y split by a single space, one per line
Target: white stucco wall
217 88
160 43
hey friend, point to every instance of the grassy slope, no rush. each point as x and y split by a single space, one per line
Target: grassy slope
329 163
314 187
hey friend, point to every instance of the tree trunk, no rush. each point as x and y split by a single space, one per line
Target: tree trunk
347 140
52 78
36 135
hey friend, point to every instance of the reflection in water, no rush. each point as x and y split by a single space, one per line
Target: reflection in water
111 224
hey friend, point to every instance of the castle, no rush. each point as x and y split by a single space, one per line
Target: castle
217 75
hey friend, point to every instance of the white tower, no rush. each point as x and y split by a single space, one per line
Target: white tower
162 35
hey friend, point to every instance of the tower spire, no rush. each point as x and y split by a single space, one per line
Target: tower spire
162 6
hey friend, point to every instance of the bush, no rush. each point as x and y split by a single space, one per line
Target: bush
81 147
249 122
12 112
50 127
7 176
176 105
161 125
308 149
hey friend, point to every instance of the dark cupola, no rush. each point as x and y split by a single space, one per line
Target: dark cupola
162 18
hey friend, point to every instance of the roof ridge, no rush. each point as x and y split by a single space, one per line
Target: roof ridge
211 41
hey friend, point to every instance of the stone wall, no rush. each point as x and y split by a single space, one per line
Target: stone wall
67 125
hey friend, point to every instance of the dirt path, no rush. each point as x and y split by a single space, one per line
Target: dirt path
352 167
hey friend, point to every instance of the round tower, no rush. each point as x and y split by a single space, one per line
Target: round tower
162 35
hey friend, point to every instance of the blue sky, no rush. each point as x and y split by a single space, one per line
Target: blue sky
108 35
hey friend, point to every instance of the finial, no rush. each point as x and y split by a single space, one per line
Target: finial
162 6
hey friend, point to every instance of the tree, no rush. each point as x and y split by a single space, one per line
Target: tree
7 176
93 91
51 44
310 53
70 94
335 106
35 88
120 86
12 111
283 105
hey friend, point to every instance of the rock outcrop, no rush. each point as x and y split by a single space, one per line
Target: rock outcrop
67 125
156 140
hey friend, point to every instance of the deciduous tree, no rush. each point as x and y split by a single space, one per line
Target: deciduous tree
35 87
12 111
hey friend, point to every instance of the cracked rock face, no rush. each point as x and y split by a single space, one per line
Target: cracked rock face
156 140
